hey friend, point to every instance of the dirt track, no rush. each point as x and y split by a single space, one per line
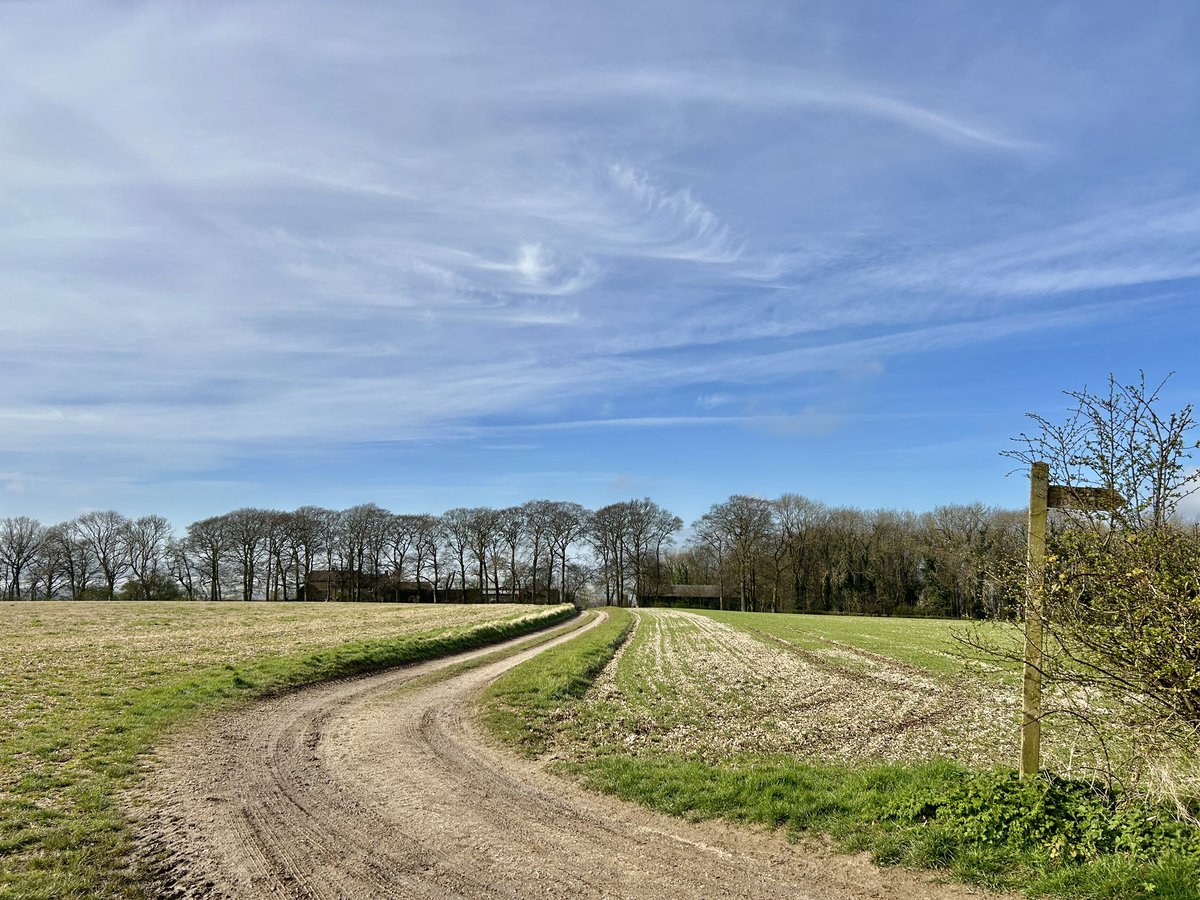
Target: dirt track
363 788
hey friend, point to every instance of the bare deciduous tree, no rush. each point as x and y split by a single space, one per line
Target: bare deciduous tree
210 540
247 530
744 525
145 541
456 525
567 524
537 514
1119 440
511 529
103 533
76 556
182 566
20 540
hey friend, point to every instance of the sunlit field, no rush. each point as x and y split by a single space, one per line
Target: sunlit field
723 684
88 687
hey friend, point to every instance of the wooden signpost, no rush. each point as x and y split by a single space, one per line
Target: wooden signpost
1087 498
1031 685
1044 496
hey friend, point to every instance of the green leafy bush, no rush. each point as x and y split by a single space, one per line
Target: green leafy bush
1060 819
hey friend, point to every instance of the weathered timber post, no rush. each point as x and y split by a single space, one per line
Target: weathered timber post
1043 496
1031 714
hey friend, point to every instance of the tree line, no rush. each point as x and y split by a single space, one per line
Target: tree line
787 554
796 554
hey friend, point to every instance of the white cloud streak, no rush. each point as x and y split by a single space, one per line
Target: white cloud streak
775 90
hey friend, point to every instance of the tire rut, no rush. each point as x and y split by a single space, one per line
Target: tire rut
360 789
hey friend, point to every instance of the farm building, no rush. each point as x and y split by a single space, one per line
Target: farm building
695 596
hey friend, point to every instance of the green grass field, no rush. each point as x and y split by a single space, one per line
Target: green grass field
933 644
883 733
88 688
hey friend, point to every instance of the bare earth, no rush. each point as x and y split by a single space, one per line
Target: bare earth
363 788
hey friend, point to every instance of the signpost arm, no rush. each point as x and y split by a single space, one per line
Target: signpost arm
1031 727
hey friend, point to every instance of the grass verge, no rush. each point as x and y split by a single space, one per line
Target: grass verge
522 706
64 832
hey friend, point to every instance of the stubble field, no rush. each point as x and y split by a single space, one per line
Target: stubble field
724 684
847 689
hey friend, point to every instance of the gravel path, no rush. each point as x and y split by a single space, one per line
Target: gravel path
373 787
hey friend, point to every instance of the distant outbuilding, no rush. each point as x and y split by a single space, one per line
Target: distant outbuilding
694 596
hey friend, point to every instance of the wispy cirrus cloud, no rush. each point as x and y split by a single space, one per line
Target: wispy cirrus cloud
770 90
672 224
1138 244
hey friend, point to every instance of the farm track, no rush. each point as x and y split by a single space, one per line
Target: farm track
377 788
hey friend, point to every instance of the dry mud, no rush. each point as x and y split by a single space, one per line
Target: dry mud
376 787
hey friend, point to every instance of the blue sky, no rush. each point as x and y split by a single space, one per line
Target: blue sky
274 254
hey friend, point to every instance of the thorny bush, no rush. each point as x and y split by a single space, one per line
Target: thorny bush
1126 614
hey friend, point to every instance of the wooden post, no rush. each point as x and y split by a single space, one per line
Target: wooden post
1031 726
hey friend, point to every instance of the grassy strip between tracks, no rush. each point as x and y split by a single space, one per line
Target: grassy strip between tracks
1042 837
523 705
64 832
445 673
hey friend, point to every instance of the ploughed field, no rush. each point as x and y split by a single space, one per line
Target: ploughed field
87 688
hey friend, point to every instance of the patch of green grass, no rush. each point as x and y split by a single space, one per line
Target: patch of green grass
523 706
930 644
90 688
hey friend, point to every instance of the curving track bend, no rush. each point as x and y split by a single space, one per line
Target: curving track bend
373 788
